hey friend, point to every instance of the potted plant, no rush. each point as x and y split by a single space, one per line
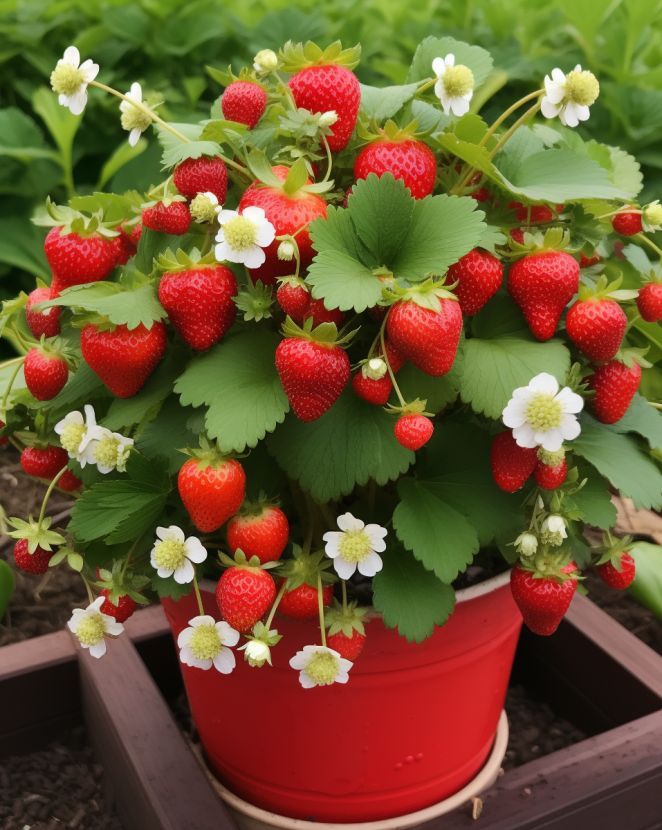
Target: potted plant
404 351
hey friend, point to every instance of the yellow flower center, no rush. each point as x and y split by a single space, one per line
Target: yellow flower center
581 87
205 642
202 208
355 545
552 459
322 668
106 451
458 81
90 630
240 233
71 437
66 79
169 554
544 412
133 118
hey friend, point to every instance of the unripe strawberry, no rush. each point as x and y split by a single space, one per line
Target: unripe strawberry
479 276
42 323
511 464
201 175
244 102
46 372
597 327
618 577
412 430
173 218
614 384
410 160
31 563
627 223
649 302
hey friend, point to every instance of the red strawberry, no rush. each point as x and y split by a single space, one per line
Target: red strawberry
123 358
301 603
587 261
199 303
374 390
122 610
542 285
289 214
479 276
347 647
46 372
261 531
244 101
532 214
517 234
329 87
627 223
47 322
212 490
31 563
293 297
543 601
618 577
409 160
395 358
134 232
412 430
649 302
76 259
321 314
69 482
428 338
549 476
313 373
597 327
124 247
3 438
201 175
482 194
43 462
244 595
614 384
511 464
173 218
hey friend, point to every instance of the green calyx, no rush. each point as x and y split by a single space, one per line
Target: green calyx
240 560
172 261
207 454
631 357
551 459
305 568
345 620
326 334
295 56
121 583
296 183
426 294
553 239
550 565
390 131
612 550
255 301
38 534
415 407
603 289
73 221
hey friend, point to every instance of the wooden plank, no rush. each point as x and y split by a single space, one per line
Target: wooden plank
155 780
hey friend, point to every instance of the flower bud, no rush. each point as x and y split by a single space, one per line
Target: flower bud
554 530
257 653
203 207
526 544
286 251
328 119
375 368
265 61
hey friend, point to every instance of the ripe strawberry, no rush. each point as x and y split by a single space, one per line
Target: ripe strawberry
618 577
43 462
123 358
627 223
587 261
201 175
3 438
173 218
124 247
428 338
31 563
122 610
262 530
542 285
374 390
293 297
412 430
199 303
597 327
212 490
409 160
542 601
395 357
649 302
69 482
614 384
511 464
289 214
42 323
481 194
549 476
532 214
244 595
517 234
479 276
321 314
313 373
347 647
76 259
329 87
301 602
244 102
46 372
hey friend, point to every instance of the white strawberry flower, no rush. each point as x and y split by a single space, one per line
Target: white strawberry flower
207 643
242 236
320 666
526 544
203 207
70 78
554 530
108 451
542 416
91 627
173 554
569 97
256 652
356 545
133 119
454 86
77 433
265 61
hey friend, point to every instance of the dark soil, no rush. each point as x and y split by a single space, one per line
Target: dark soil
59 787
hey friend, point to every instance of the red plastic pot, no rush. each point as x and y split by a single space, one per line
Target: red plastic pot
414 724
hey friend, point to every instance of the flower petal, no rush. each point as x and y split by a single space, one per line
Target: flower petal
253 257
266 234
551 440
225 661
184 573
306 681
524 436
570 401
544 383
195 550
228 635
98 649
184 637
77 101
549 109
514 415
299 661
343 568
570 427
71 56
255 214
439 67
349 522
371 565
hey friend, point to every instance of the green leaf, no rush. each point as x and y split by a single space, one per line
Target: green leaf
477 59
152 243
349 445
493 368
20 138
385 102
647 585
437 391
168 434
130 307
122 155
238 382
61 124
176 150
343 282
409 597
643 419
438 536
6 586
619 460
594 500
381 209
22 245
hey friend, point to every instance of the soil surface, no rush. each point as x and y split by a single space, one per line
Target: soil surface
57 788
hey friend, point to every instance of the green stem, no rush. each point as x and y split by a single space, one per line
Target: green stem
343 585
320 607
272 613
646 241
48 492
10 383
425 85
655 405
512 129
198 598
388 365
506 114
90 594
329 159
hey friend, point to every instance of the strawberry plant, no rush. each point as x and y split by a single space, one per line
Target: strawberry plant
355 340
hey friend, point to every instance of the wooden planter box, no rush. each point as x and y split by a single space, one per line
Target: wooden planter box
592 671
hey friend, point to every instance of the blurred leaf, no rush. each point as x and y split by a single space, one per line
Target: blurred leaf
647 585
6 586
121 156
